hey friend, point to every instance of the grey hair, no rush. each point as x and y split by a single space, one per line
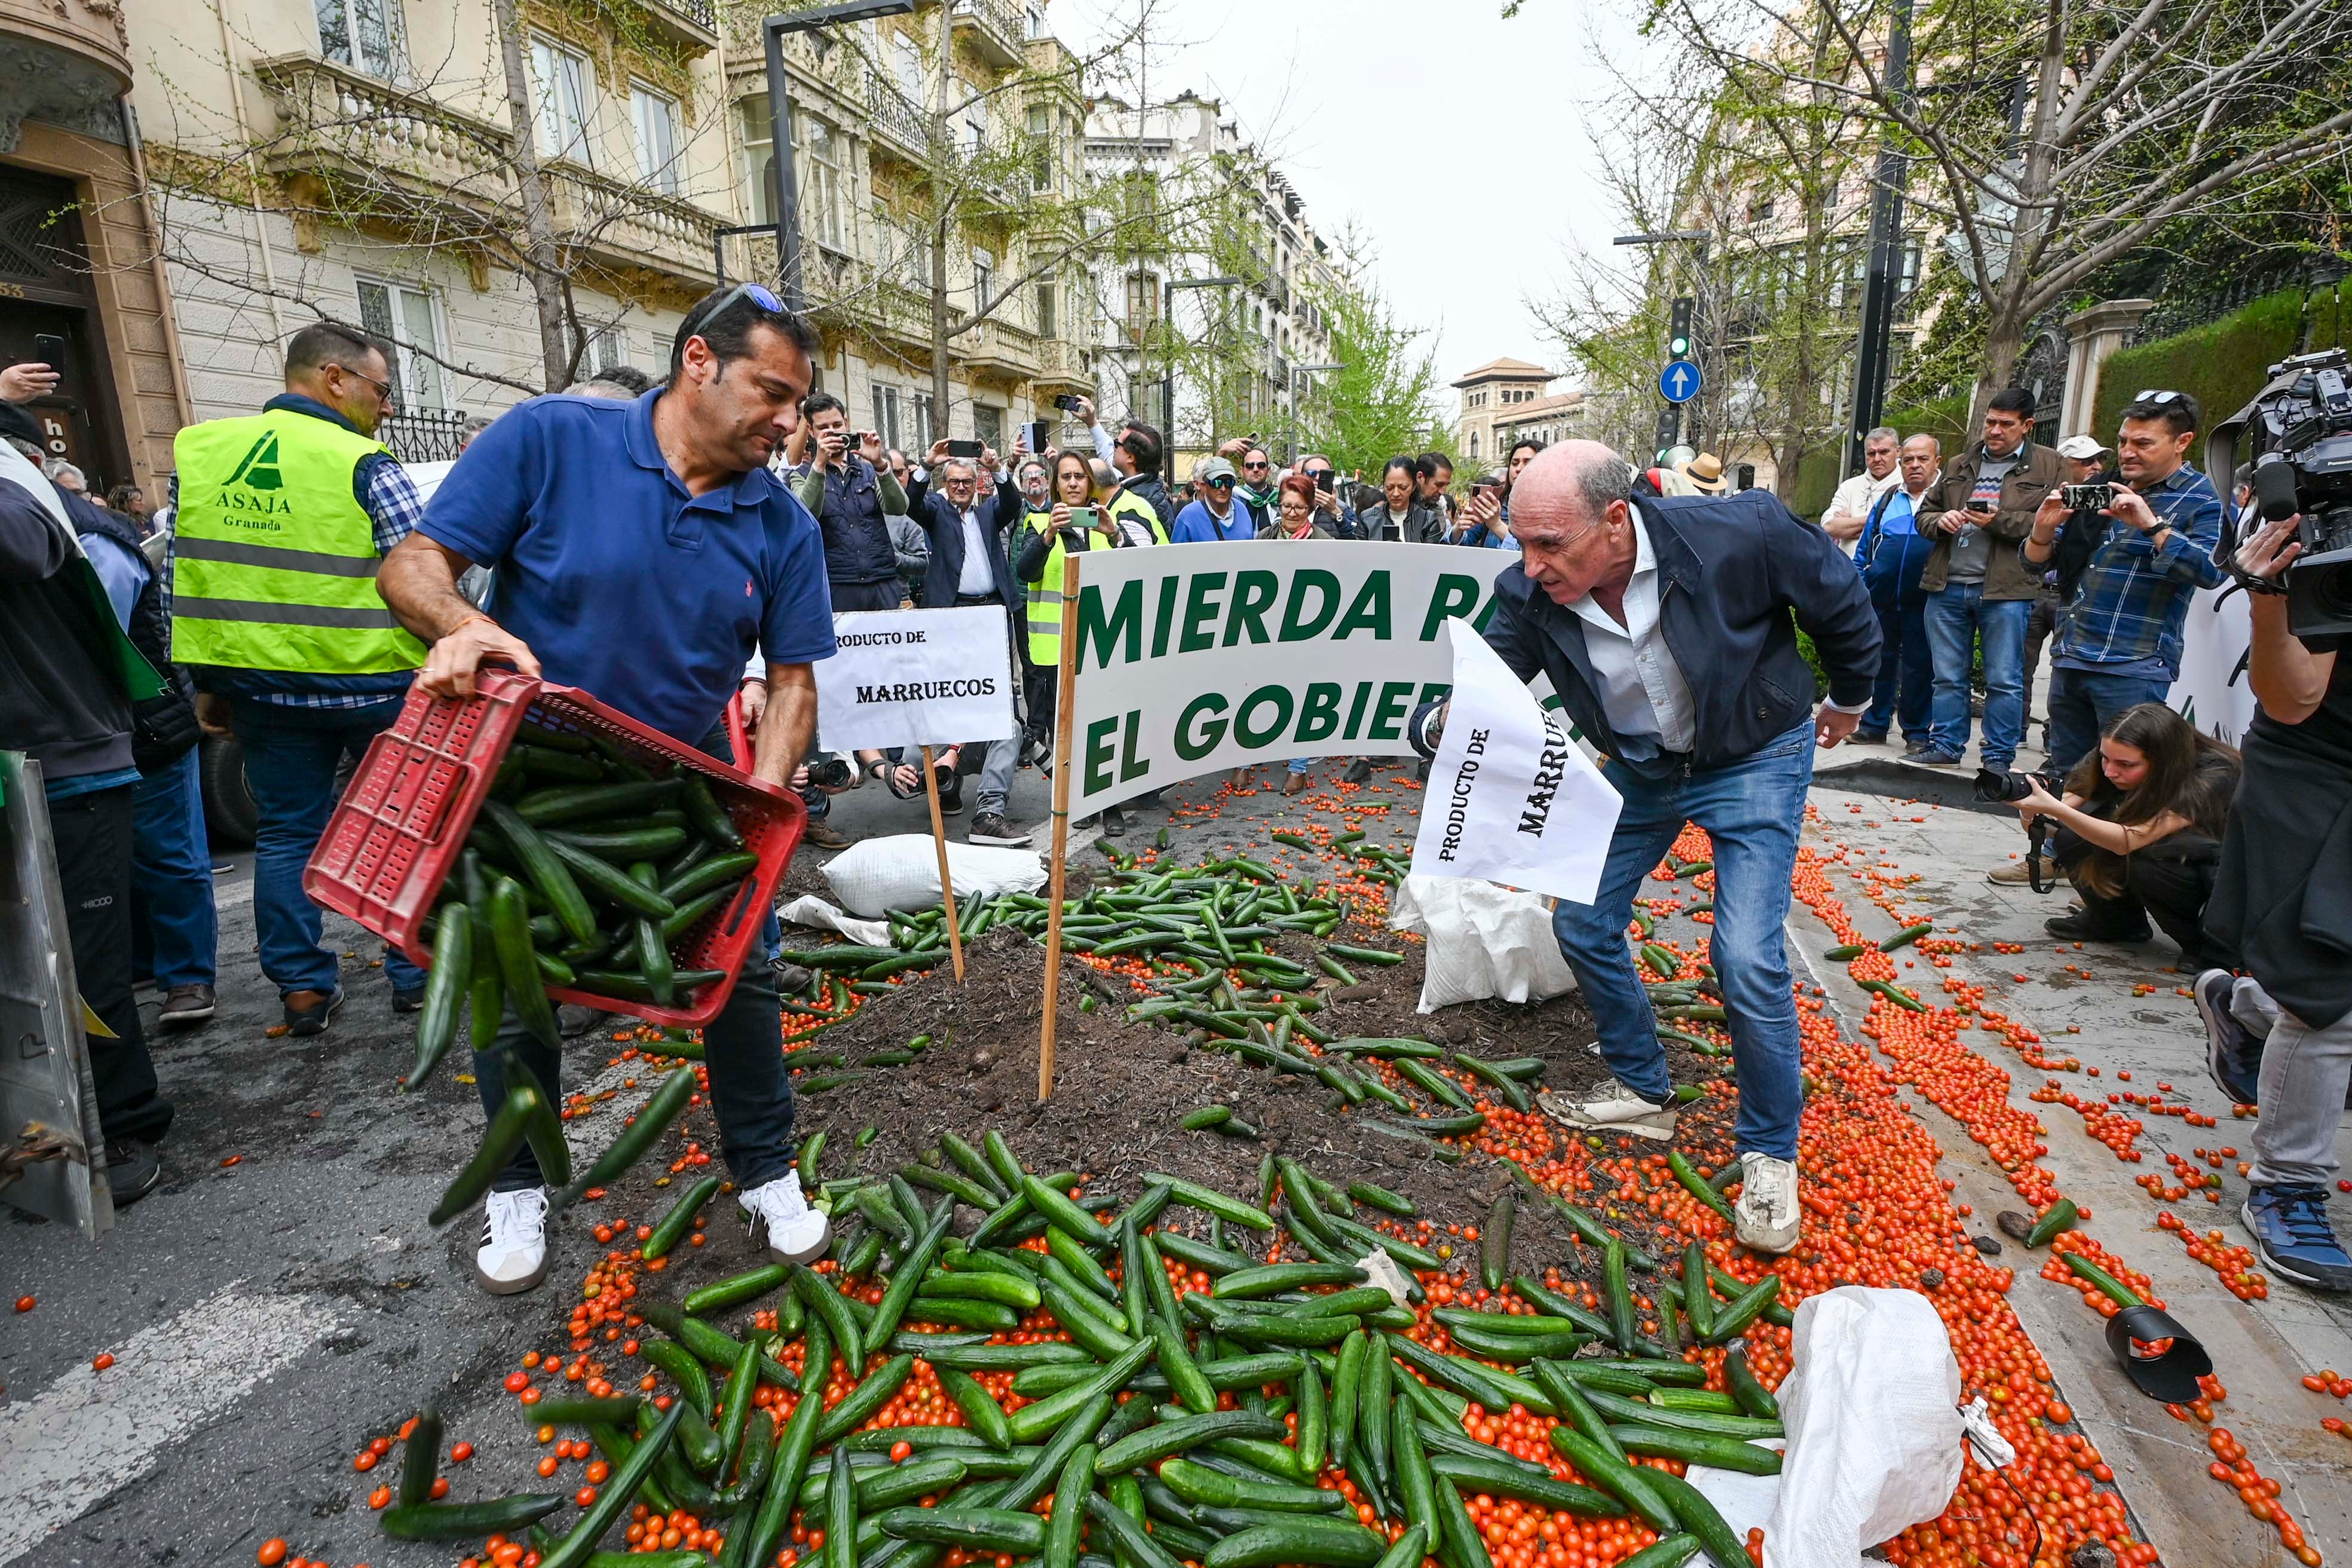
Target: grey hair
1037 463
475 424
1603 481
60 472
966 464
40 459
597 386
1884 433
1106 477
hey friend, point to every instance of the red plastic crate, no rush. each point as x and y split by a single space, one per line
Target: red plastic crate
396 835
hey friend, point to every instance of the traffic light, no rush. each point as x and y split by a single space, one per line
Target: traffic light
1678 328
1670 428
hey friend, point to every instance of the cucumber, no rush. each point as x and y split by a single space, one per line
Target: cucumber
866 1400
1272 1279
989 1530
1320 1543
1502 1082
546 871
596 873
578 803
720 871
706 815
1208 1200
1208 1116
1071 1489
1698 1448
1214 1488
1062 1211
625 844
445 987
420 1457
1128 1539
1845 951
1670 1551
1005 1289
614 1498
1704 1399
673 1226
1906 936
1698 1186
653 951
1158 1441
500 1138
1495 1245
1698 1517
721 1294
1732 1318
638 1136
2060 1215
1213 1261
1628 1484
452 1522
1752 1395
979 1407
1501 1478
1620 1409
517 963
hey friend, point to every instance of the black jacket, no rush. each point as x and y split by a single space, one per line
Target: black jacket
945 525
163 726
1732 569
1155 495
61 698
1422 524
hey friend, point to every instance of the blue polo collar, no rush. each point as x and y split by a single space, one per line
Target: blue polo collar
749 487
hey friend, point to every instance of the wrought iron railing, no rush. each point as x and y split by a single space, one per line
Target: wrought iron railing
422 435
2179 313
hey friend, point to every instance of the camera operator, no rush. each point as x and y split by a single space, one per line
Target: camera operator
2139 830
2283 904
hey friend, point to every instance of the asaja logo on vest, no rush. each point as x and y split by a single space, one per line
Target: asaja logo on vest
259 472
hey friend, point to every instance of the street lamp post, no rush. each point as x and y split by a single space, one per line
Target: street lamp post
1296 371
779 127
1168 377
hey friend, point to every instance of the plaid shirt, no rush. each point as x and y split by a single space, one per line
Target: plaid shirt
388 495
2134 596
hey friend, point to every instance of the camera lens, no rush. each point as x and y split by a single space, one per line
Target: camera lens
1994 785
831 772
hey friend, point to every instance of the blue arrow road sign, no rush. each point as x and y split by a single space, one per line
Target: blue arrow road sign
1679 382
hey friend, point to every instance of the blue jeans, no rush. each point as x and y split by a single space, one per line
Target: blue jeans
1906 670
1955 618
1751 808
173 927
290 758
2083 704
1302 764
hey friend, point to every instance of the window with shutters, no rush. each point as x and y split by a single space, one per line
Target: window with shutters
405 318
983 279
1049 318
887 417
988 424
1142 305
823 180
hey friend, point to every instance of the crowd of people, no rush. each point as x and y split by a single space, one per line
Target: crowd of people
1926 576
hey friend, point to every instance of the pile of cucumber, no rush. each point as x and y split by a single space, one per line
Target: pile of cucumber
1122 1425
583 872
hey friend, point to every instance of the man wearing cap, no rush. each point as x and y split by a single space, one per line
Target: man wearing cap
1214 518
2086 462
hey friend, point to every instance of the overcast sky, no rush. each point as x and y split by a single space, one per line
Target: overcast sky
1417 118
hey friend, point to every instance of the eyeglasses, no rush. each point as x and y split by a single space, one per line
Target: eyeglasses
383 388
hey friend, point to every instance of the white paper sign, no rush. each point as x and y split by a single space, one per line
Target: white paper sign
916 678
1511 798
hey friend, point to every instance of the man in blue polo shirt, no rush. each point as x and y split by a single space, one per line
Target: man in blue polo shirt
641 551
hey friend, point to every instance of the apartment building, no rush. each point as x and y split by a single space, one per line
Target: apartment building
1214 296
77 247
936 159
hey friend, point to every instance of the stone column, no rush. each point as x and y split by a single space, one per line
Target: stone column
2091 336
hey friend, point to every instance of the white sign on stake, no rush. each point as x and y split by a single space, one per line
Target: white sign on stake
916 678
1511 797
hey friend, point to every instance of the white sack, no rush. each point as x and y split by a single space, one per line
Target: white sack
814 912
902 872
1484 941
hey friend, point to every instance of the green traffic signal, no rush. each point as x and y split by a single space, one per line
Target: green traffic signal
1679 347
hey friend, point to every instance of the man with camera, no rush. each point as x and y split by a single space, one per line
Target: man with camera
1142 500
2282 901
1977 586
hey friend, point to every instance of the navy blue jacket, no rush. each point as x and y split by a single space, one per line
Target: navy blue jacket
857 535
945 525
1731 570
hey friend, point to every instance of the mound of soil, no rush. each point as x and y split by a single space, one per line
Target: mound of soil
1121 1088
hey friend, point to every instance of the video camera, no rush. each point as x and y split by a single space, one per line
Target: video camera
1996 786
2300 430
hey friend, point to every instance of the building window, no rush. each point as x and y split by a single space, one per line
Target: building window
1474 446
653 116
824 208
908 55
365 35
608 348
885 416
983 279
405 318
975 128
561 82
1041 148
921 427
756 158
988 424
1142 304
1049 321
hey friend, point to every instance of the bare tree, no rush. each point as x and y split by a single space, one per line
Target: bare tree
2057 140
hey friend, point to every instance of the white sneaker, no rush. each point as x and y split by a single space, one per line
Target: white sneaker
513 1256
1608 1106
783 1222
1767 1208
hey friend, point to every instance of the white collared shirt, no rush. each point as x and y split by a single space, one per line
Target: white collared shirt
979 576
1642 689
1856 496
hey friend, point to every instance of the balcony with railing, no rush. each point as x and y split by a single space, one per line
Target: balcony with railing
380 153
1062 365
996 28
694 23
896 117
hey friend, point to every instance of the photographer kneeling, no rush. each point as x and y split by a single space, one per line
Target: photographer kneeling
2139 830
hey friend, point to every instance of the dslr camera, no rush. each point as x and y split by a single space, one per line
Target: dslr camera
1997 787
833 770
2299 428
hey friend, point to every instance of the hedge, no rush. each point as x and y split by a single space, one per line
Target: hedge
2222 364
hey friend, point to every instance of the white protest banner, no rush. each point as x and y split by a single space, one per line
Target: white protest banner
916 678
1511 798
2211 692
1195 658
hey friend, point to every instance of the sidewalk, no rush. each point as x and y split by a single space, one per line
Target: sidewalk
2117 1010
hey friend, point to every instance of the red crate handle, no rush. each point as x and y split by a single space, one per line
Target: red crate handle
737 738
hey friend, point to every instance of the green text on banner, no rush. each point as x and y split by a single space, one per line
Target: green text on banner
1201 657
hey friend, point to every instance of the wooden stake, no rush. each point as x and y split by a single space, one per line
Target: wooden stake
1065 702
947 883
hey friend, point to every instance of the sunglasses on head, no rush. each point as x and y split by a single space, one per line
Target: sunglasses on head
760 294
2158 398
